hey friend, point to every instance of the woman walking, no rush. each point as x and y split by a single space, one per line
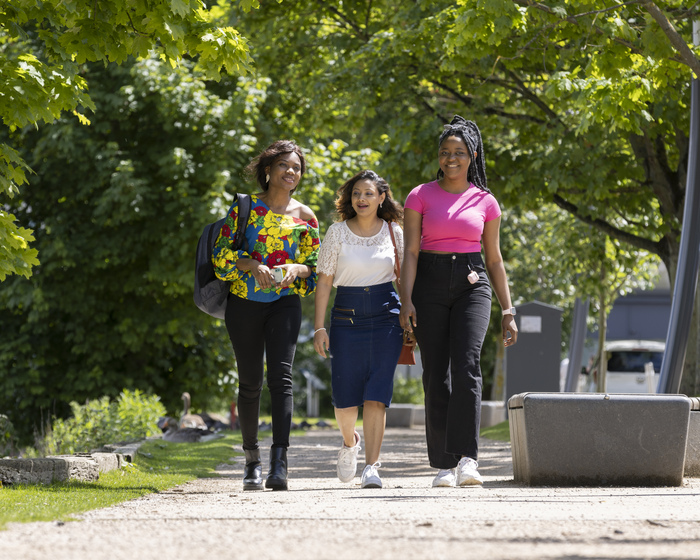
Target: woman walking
365 338
446 296
263 313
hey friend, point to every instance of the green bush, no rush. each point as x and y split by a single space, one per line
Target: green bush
7 436
130 417
408 390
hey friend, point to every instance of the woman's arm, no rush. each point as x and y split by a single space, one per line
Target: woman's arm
323 293
308 251
498 277
412 228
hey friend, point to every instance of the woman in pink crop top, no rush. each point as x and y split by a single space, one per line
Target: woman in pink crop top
446 296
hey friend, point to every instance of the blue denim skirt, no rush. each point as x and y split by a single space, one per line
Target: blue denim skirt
365 343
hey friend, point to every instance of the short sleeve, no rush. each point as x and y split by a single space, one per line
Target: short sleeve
493 210
414 201
327 262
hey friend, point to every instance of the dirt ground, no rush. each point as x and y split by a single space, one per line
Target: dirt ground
320 517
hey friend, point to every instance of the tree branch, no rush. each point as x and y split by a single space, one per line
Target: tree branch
342 17
686 54
655 247
468 101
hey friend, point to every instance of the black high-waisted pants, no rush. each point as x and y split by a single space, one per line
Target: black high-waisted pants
452 316
264 330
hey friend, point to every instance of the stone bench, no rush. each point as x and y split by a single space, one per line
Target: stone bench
595 439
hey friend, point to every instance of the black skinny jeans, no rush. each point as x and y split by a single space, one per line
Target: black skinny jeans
264 330
452 316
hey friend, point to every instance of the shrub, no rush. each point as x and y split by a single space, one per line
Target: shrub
7 436
408 390
130 417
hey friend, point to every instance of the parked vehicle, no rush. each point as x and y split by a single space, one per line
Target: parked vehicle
627 361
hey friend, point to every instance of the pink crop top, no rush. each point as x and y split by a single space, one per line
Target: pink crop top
453 223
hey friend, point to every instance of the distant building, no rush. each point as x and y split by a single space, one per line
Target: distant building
642 315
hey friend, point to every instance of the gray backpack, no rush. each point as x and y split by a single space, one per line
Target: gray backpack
210 293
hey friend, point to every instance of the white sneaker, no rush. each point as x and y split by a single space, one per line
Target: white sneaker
445 478
370 476
467 475
347 460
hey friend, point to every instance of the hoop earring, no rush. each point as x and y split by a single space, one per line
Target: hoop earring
267 178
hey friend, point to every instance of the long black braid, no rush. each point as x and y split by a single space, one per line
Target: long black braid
470 134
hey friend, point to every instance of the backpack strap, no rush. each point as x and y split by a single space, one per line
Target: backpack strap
243 217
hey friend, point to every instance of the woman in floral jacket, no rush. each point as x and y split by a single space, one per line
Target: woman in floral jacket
263 313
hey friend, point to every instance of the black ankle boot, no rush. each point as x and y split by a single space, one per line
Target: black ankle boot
277 477
252 474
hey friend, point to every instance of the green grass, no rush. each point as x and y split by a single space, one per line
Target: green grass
159 465
498 432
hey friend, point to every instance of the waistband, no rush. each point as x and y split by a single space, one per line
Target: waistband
376 289
438 258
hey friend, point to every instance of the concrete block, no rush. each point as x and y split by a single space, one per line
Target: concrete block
400 415
492 413
26 471
108 461
594 439
692 448
46 470
419 415
71 467
127 450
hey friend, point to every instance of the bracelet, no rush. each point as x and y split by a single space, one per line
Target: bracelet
321 329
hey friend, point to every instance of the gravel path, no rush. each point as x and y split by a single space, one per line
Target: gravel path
321 517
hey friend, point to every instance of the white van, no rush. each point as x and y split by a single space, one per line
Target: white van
626 366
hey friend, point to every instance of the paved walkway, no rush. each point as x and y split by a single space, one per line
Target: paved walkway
321 517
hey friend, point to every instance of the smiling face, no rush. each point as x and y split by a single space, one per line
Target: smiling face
454 158
285 171
365 198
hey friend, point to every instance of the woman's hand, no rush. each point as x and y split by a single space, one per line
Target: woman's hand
510 330
321 342
408 316
292 271
263 276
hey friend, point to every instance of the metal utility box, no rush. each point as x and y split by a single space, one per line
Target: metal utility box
533 363
596 439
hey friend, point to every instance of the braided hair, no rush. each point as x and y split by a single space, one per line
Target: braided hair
471 136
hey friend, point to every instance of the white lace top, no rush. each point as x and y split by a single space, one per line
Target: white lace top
359 261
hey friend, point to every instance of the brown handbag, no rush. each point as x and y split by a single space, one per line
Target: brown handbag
407 356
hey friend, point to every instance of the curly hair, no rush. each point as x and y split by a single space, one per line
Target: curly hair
471 136
390 210
256 168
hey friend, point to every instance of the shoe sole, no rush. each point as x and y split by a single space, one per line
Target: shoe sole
277 485
252 487
372 485
443 485
471 482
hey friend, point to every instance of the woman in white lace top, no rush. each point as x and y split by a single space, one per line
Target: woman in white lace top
365 338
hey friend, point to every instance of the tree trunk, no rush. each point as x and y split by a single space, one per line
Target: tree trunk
498 389
602 375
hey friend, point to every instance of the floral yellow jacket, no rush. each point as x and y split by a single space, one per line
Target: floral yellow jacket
273 239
